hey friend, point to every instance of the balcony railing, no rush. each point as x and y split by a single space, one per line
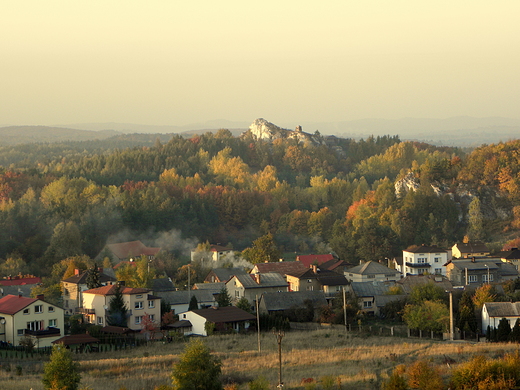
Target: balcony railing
418 265
43 333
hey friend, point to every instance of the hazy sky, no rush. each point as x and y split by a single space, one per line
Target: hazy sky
177 62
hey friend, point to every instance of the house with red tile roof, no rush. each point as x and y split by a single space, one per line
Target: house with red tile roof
309 260
128 251
138 301
32 318
20 280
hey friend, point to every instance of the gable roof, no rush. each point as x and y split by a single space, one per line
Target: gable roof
281 267
124 250
331 265
224 314
471 247
111 290
513 254
410 281
382 300
20 281
219 248
478 264
162 284
372 268
370 289
425 249
272 279
82 278
183 296
309 260
224 274
12 304
275 301
213 288
503 309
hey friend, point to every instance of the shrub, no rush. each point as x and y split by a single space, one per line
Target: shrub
259 383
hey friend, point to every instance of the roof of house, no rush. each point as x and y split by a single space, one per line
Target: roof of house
424 249
214 288
478 264
16 281
124 250
74 339
330 278
507 269
513 254
23 290
224 314
331 265
382 300
372 268
503 309
162 284
281 267
12 304
184 296
275 301
180 324
82 278
410 281
370 289
111 290
309 260
272 279
471 247
224 274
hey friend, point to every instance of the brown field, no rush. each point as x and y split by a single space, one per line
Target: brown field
360 362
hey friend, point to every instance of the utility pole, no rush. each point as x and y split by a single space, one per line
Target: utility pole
451 315
279 336
345 309
258 323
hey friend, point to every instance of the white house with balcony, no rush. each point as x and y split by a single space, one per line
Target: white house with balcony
424 259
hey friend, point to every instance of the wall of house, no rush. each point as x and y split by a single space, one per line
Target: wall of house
297 284
494 321
197 322
435 260
155 311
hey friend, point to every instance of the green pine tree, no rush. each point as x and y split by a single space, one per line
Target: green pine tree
61 372
117 310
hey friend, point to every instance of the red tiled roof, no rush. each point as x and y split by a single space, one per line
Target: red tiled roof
20 282
124 250
281 267
12 304
309 260
111 290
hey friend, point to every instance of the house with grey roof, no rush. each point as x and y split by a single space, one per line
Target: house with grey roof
511 256
213 288
478 271
493 312
179 301
408 283
366 293
372 271
251 286
224 319
278 302
316 279
222 275
464 250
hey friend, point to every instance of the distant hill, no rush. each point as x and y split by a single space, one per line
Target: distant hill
15 135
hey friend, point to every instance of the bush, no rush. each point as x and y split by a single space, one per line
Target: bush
259 383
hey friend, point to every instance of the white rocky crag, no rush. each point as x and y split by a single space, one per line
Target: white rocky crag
262 129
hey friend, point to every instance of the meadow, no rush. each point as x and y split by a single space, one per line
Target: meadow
356 361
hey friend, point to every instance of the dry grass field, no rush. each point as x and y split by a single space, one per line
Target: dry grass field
357 362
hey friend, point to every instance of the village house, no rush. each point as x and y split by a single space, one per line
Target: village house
367 292
310 260
408 283
270 303
372 271
316 279
32 318
139 302
469 249
19 285
281 267
179 301
479 271
511 256
127 251
73 287
229 318
419 260
215 253
222 275
493 312
250 286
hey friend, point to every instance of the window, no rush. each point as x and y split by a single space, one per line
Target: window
152 317
472 278
53 323
237 294
438 271
26 311
371 276
437 259
421 260
38 309
310 288
485 278
35 325
139 296
367 304
51 309
138 305
100 320
309 280
151 304
138 320
20 332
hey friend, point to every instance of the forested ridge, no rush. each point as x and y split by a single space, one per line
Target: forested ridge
66 199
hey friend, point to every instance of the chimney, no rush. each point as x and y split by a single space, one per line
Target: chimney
314 268
76 271
473 259
258 278
40 297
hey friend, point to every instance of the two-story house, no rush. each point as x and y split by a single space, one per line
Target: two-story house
138 301
423 259
33 318
250 286
479 271
73 287
464 250
372 271
317 279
